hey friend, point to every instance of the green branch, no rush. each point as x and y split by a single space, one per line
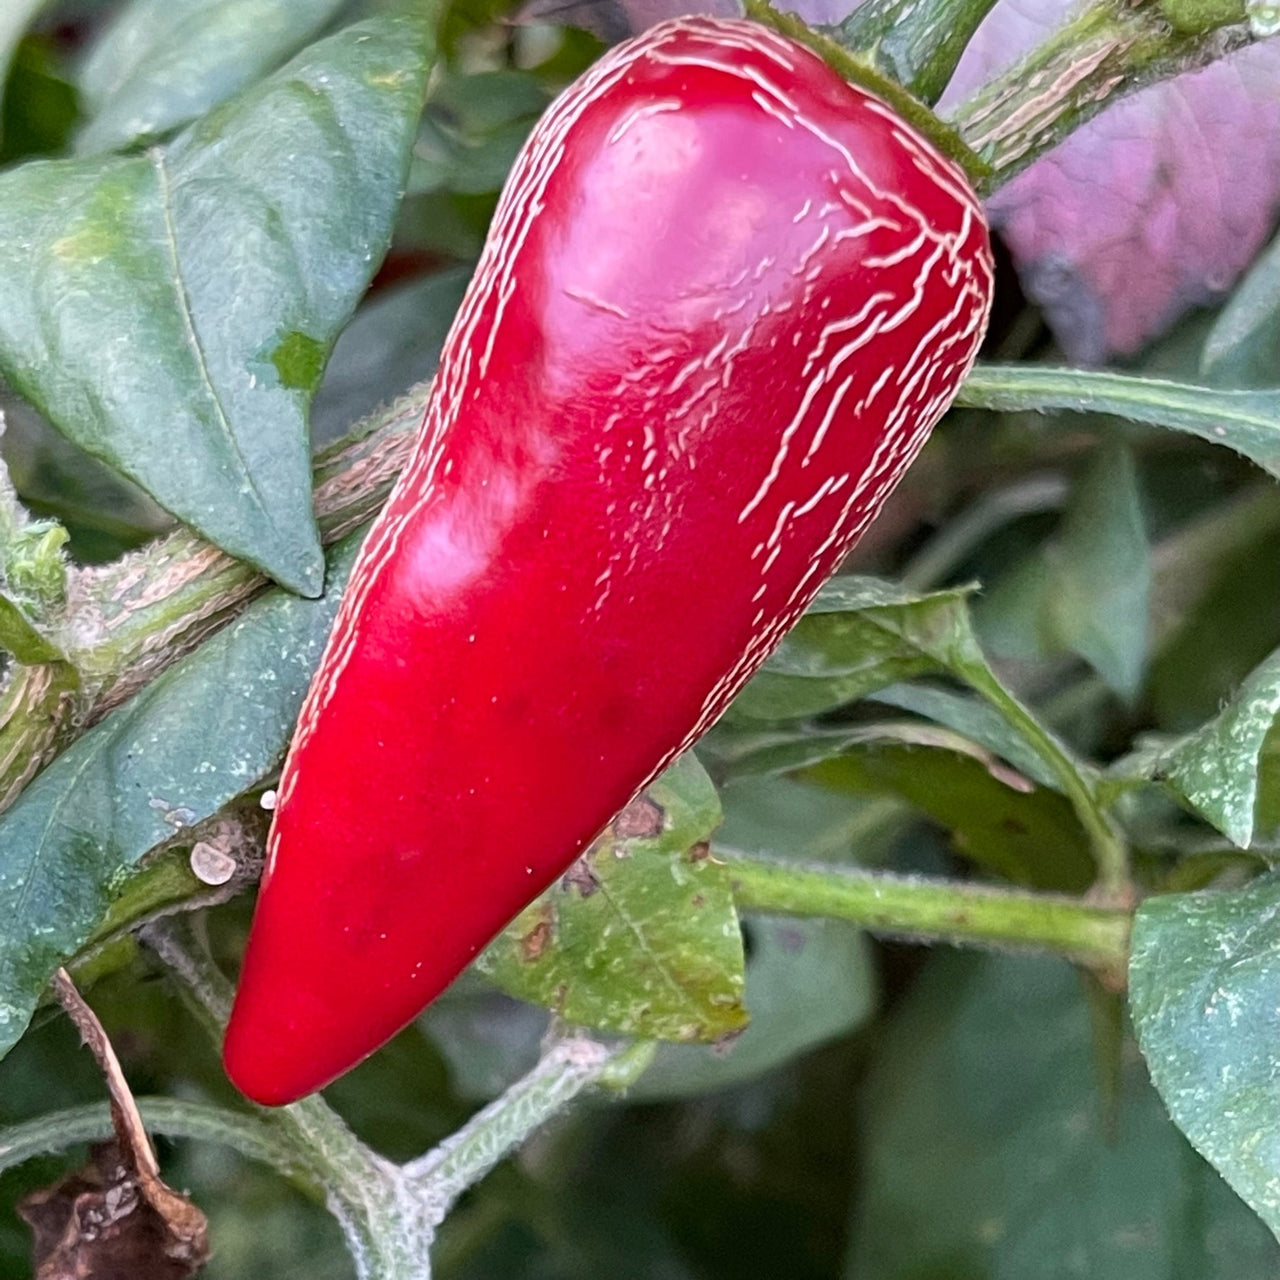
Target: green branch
1076 781
1104 53
917 42
58 1130
461 1160
389 1213
937 910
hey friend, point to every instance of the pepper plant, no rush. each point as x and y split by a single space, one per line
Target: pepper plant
1032 720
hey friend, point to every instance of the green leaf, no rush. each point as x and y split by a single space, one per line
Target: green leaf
393 341
1224 542
917 43
1099 572
976 720
1204 986
785 816
1087 591
1246 421
808 981
1242 345
170 312
15 17
488 1039
859 635
1025 834
996 817
984 1153
1216 769
641 935
162 63
38 106
22 638
205 731
473 127
1215 611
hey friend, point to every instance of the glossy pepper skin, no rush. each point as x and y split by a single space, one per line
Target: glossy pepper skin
724 299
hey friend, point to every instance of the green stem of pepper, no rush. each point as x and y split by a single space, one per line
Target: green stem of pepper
1105 52
938 910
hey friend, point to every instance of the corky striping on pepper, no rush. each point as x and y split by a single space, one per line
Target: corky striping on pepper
724 299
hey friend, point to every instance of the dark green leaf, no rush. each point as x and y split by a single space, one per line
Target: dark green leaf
15 16
1087 590
1216 769
1231 624
488 1039
170 312
38 107
1012 617
104 514
162 63
1190 562
473 128
393 341
976 720
995 816
1026 834
1246 421
641 935
1204 986
1244 343
985 1154
785 816
859 635
1100 573
204 732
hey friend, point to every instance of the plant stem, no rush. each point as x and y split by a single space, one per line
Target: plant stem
1105 52
564 1071
1109 851
917 42
937 910
389 1213
388 1227
625 1068
313 1125
1247 421
34 704
174 1119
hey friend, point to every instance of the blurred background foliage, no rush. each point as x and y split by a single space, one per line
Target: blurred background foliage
893 1112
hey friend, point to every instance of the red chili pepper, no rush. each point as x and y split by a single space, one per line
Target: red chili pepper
724 299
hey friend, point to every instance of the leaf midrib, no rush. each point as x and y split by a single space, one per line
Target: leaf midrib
157 157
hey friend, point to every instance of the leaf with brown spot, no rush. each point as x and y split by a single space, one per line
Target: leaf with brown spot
581 877
642 819
534 942
646 937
